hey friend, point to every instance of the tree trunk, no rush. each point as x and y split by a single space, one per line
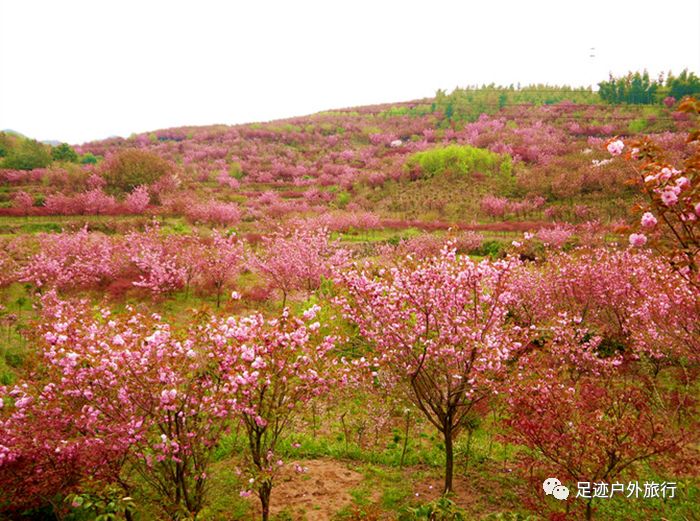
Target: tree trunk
469 449
405 440
449 460
345 430
265 491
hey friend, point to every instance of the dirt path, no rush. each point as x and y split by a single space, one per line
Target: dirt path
318 494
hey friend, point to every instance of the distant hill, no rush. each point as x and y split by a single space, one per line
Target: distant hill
52 142
13 132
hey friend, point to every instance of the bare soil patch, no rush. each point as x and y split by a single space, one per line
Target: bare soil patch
316 495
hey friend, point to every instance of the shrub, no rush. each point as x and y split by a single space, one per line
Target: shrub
88 159
456 159
342 199
137 201
235 171
214 212
28 155
64 152
23 201
131 168
490 249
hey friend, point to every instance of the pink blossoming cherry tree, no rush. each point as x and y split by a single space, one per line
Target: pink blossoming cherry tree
441 332
276 367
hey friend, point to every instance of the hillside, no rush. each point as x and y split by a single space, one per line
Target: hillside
482 305
359 159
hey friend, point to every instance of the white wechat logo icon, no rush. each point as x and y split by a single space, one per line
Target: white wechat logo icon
554 487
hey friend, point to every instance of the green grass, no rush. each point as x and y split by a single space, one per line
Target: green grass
373 236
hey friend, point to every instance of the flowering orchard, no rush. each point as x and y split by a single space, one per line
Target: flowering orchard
424 310
602 344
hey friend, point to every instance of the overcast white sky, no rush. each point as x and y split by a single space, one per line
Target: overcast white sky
78 70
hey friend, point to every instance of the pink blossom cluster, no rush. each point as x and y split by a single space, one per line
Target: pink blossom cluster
297 259
70 260
218 213
128 390
555 237
495 206
92 202
616 147
138 200
439 329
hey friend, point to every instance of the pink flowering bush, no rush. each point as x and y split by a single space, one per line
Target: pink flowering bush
297 260
124 390
60 204
277 366
127 394
96 202
637 239
341 221
92 202
71 260
226 180
590 424
629 298
137 201
555 237
608 373
648 220
23 201
421 246
467 242
616 147
158 260
219 262
494 206
212 212
43 452
673 199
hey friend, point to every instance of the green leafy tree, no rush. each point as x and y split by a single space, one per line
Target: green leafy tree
27 155
88 159
685 84
131 168
457 159
467 104
634 88
5 144
64 152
